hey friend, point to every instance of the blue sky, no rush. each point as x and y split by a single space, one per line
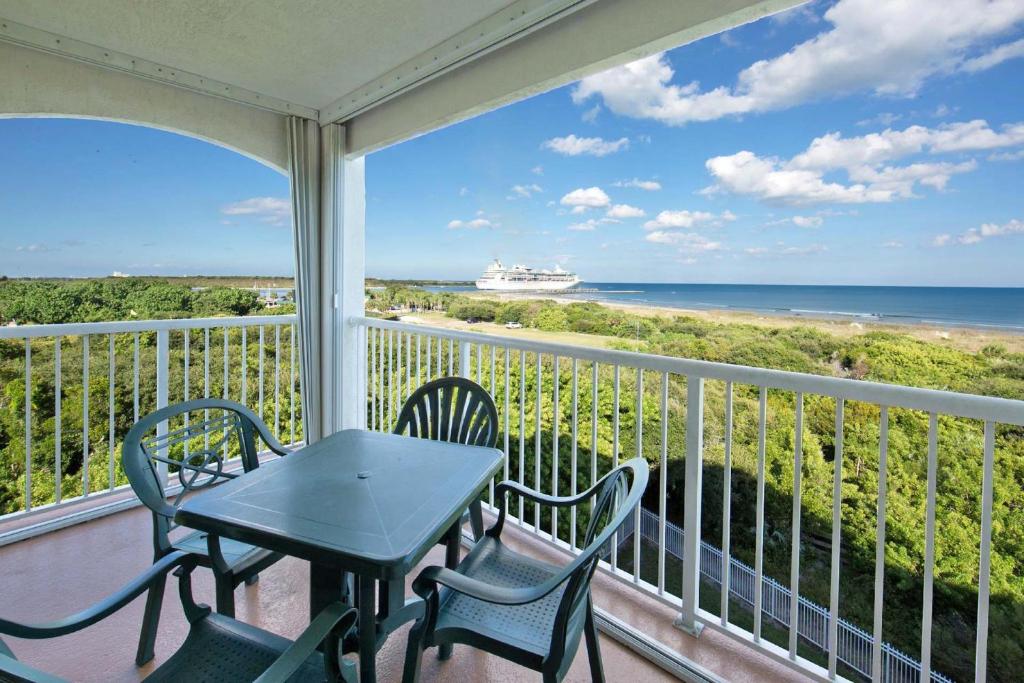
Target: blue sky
791 150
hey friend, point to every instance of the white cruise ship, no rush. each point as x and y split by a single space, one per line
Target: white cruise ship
520 278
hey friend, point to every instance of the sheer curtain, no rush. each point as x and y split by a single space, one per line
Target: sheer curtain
304 173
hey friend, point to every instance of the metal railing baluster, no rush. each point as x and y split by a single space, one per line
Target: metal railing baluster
615 454
794 562
555 455
726 508
522 431
573 486
291 384
985 561
28 425
837 537
259 375
135 378
58 418
277 382
883 455
508 409
85 415
762 419
663 483
639 453
538 428
110 410
244 400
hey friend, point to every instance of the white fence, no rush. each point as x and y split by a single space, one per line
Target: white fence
854 644
401 356
89 366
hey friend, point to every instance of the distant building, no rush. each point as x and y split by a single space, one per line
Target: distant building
118 273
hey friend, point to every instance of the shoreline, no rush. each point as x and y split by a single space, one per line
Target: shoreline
965 336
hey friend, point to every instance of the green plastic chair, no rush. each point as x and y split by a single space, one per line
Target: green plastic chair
217 424
218 648
457 410
517 607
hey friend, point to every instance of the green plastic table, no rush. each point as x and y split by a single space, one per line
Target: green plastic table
363 502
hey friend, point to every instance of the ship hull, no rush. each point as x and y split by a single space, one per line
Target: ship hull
537 286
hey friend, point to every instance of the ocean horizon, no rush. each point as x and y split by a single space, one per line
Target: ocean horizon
995 307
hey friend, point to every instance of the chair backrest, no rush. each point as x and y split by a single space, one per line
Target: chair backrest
614 497
452 409
200 436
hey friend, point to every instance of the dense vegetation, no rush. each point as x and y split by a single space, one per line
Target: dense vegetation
875 356
76 301
86 447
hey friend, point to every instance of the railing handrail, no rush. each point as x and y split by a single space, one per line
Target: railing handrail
990 409
120 326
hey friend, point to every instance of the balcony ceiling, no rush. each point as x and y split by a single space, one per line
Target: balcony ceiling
309 52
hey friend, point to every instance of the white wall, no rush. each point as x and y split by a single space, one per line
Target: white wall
34 83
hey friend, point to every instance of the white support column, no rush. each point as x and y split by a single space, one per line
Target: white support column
342 263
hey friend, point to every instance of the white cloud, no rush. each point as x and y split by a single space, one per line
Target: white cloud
582 199
463 191
524 191
35 248
884 119
647 185
625 211
573 146
781 249
475 224
801 180
586 226
985 231
1007 156
273 210
889 48
537 170
688 242
996 55
590 115
893 244
688 219
808 221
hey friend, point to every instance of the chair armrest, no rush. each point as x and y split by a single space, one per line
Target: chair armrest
102 609
336 617
542 498
432 576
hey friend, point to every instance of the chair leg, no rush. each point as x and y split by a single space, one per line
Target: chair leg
451 561
225 589
414 653
593 647
476 519
150 622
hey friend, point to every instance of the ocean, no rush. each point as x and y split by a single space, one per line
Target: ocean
997 307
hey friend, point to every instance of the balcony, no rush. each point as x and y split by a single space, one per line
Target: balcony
82 529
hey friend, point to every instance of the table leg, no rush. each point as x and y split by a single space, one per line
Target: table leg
326 585
451 561
367 629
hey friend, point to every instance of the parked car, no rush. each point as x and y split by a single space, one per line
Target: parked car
513 325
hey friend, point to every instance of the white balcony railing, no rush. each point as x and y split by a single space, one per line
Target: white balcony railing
74 373
520 374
